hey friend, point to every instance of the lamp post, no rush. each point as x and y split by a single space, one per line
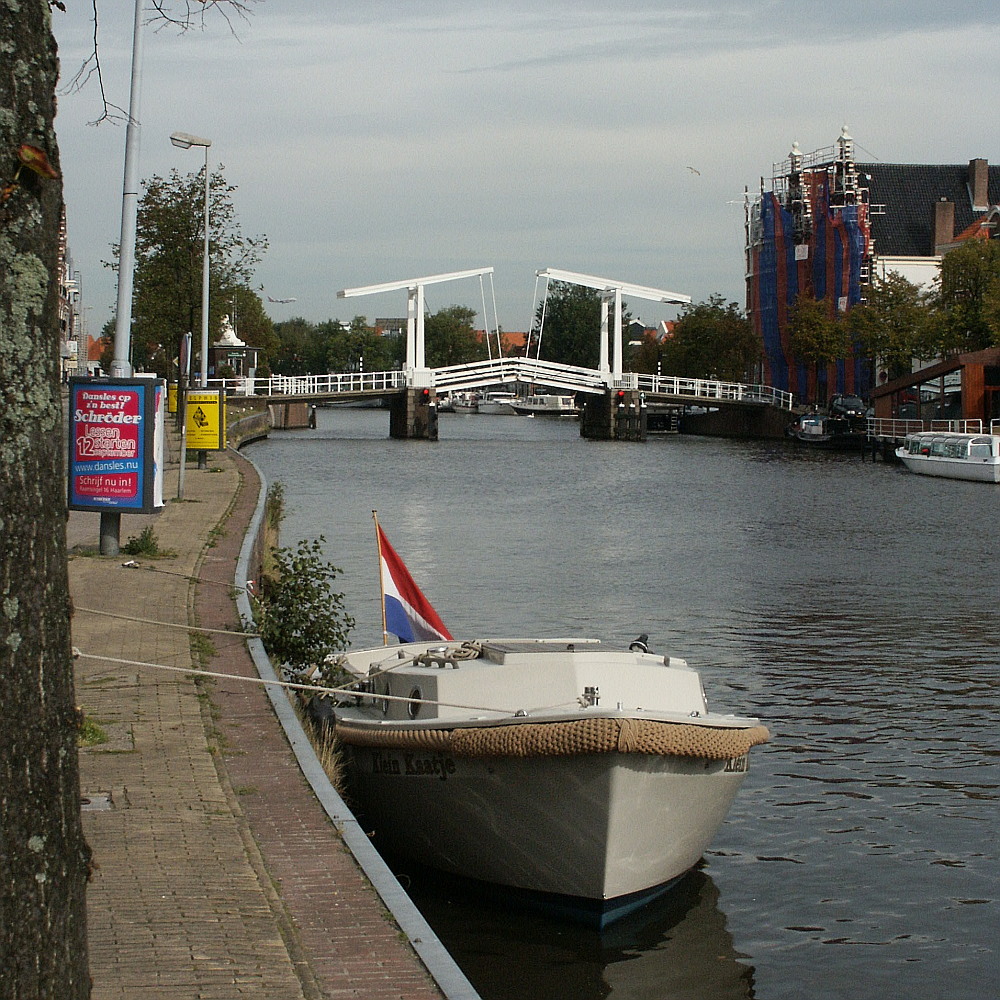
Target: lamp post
184 140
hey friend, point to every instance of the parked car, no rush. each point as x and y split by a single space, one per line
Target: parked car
847 406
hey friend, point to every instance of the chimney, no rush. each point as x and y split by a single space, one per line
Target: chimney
979 174
944 224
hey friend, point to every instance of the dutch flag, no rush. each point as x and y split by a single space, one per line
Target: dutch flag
408 614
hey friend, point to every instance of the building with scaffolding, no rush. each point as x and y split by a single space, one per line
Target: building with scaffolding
828 224
810 235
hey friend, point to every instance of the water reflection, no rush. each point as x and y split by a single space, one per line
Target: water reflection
678 946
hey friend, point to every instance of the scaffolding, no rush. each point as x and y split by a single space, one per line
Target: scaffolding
809 235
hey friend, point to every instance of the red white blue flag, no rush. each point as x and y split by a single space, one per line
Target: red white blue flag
408 615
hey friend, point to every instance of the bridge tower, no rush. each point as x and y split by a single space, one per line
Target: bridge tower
414 412
618 415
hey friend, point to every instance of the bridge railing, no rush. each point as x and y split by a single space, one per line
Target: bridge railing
706 389
312 385
500 371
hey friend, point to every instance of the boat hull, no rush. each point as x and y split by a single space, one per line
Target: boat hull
594 828
946 468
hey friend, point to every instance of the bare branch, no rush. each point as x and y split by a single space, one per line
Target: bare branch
91 67
181 14
192 13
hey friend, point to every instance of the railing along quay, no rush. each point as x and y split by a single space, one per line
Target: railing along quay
895 429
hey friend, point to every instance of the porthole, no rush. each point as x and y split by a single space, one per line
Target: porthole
413 707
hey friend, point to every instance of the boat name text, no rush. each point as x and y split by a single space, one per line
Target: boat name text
413 765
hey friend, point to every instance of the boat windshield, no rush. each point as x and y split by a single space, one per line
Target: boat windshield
981 447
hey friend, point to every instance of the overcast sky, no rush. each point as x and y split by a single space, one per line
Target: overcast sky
380 141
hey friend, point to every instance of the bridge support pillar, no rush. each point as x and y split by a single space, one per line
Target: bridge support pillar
617 415
413 414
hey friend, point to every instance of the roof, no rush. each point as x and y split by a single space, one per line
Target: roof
908 191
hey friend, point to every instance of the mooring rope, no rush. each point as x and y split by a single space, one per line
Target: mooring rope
149 621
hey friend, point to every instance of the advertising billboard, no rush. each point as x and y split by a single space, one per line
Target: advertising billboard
116 446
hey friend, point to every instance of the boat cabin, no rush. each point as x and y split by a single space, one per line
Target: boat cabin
971 447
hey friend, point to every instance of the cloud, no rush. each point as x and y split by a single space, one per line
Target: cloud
377 141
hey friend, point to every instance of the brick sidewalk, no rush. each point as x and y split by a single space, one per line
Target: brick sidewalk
219 873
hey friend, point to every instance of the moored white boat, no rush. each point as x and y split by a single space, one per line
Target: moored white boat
546 405
952 455
496 403
586 777
464 402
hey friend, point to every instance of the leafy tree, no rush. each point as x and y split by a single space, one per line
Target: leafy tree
813 336
43 856
296 353
892 324
711 339
382 352
300 618
170 235
969 298
449 338
571 334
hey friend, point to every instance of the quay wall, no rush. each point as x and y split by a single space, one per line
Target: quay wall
753 422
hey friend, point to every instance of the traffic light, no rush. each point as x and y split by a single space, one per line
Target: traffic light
620 397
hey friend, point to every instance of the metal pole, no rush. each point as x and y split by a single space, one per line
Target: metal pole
204 289
111 521
182 405
203 455
121 366
183 378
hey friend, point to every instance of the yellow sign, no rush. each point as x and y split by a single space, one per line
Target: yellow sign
205 420
172 397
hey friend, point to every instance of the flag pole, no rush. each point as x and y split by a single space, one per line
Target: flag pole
381 582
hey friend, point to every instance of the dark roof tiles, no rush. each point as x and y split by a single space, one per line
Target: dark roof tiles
907 191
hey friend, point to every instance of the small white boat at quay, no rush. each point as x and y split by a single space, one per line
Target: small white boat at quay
496 403
952 455
546 405
464 402
584 778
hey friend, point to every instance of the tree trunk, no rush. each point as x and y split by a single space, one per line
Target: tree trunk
43 856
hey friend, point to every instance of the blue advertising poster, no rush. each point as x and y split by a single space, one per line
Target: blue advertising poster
114 459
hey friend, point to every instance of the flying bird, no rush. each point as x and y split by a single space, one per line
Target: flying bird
693 171
269 299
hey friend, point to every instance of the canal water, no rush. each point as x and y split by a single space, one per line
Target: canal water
852 607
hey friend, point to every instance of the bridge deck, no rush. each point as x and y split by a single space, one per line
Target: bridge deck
349 386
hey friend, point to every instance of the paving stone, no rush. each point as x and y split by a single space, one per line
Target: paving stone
200 892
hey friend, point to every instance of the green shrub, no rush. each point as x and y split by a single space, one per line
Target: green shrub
146 544
300 618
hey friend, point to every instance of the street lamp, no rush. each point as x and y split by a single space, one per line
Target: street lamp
185 141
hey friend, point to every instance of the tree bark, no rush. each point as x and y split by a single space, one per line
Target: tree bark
43 855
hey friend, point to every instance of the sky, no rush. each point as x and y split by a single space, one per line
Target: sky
386 140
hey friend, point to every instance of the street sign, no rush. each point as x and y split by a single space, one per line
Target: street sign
206 419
